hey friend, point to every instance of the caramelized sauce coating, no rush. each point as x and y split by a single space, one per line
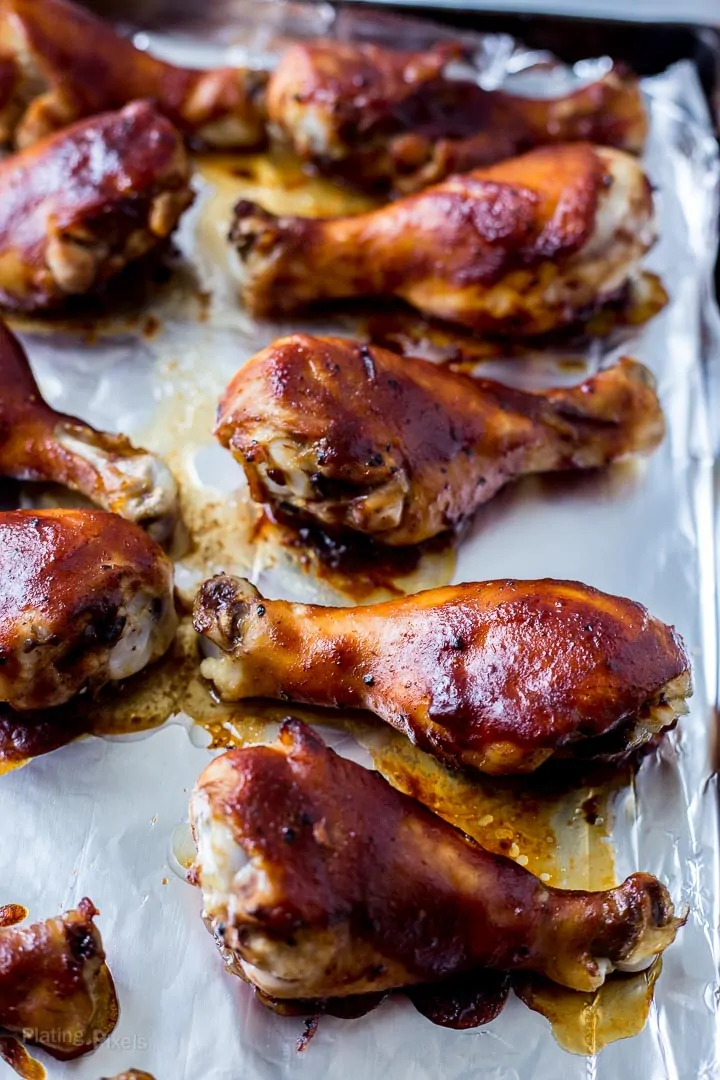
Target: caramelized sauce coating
75 65
86 599
38 443
78 206
384 118
495 675
520 248
55 987
321 880
356 437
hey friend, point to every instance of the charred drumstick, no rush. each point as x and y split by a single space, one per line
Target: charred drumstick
86 598
37 443
77 207
498 675
320 880
359 438
69 64
382 118
520 248
55 987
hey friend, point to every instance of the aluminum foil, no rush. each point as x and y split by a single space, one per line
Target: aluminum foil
105 817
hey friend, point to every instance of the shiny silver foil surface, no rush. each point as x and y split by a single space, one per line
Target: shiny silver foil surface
106 817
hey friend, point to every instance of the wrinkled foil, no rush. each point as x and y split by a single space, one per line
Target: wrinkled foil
99 817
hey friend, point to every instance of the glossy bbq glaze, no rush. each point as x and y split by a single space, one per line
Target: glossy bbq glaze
379 117
523 247
55 988
496 675
78 206
38 443
317 883
356 437
73 64
86 598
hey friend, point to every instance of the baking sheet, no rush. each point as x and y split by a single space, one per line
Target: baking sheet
105 817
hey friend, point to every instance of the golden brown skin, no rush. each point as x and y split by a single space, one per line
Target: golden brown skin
85 598
521 248
71 64
382 118
357 437
38 443
496 675
77 207
320 880
55 987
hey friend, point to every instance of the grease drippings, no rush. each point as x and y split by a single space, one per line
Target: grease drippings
585 1023
356 566
540 821
277 181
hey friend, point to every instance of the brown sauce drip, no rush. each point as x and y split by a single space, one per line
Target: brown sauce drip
466 1002
14 1054
357 566
582 1023
585 1023
12 914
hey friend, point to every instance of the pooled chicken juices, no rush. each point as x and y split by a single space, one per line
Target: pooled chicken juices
328 885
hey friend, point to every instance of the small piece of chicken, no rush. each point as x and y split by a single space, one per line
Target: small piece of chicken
521 248
132 1074
55 987
69 64
38 443
86 598
496 675
382 118
320 880
77 207
360 438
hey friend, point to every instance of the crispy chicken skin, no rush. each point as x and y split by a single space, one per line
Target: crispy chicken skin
37 443
495 675
55 987
86 598
321 880
521 248
77 207
69 64
360 438
383 118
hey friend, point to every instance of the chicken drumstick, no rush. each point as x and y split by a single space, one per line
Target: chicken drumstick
383 118
77 207
67 64
38 443
497 675
359 438
320 880
55 987
520 248
85 598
